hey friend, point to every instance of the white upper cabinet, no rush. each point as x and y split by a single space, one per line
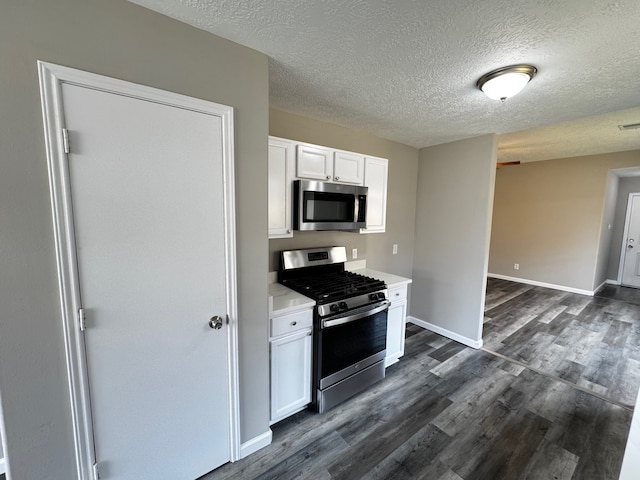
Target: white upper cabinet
281 165
348 168
375 177
289 160
315 163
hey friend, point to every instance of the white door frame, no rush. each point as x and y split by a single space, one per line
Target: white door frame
51 79
625 235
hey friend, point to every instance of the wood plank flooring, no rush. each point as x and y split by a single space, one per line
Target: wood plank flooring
551 404
593 342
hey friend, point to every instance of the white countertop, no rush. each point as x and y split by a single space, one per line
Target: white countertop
388 278
283 300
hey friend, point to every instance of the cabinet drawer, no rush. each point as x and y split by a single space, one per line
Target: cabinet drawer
397 293
291 322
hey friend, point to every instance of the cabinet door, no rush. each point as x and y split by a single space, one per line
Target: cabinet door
290 374
396 323
281 164
375 177
348 168
315 163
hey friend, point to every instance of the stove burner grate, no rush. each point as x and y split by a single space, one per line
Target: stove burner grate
334 286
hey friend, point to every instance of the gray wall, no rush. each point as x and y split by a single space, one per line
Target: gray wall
548 217
376 248
606 230
453 221
121 40
626 186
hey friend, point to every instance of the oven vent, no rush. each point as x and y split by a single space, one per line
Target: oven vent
629 126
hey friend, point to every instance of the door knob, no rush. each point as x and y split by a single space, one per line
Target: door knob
215 322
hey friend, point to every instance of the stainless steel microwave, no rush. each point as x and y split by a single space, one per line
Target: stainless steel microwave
329 206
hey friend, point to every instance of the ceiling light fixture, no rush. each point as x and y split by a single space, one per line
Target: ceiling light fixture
506 82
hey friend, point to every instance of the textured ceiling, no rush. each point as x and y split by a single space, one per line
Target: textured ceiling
406 69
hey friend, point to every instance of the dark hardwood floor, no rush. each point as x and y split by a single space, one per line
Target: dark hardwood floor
591 342
549 400
617 292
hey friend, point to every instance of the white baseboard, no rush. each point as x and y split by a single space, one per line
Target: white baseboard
446 333
608 281
599 287
542 284
2 467
256 443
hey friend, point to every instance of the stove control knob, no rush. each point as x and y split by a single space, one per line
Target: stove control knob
373 296
343 305
381 296
334 307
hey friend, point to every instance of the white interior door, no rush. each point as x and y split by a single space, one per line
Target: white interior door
146 185
631 244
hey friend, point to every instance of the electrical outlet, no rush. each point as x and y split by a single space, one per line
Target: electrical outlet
395 248
354 253
516 266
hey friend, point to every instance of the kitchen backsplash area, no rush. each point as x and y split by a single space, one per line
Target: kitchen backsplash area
317 239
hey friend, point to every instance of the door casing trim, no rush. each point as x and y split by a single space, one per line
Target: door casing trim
625 235
51 78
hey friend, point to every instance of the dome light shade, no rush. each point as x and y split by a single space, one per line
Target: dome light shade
506 82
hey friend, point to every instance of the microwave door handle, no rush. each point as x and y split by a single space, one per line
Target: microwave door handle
360 209
357 316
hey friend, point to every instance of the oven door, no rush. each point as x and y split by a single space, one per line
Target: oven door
350 343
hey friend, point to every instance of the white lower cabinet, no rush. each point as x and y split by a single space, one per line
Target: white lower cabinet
396 323
291 347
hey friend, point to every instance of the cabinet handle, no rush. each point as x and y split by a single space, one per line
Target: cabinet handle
309 334
293 324
288 231
328 177
337 178
397 294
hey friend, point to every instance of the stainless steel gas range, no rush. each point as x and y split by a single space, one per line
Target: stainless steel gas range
350 322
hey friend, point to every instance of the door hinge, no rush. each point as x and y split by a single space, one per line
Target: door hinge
82 319
65 140
96 473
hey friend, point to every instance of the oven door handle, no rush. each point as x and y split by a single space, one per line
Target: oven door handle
352 318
